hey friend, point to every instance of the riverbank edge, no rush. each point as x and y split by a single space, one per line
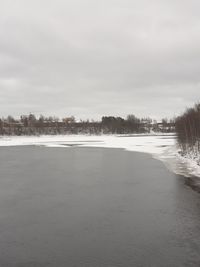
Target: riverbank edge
158 146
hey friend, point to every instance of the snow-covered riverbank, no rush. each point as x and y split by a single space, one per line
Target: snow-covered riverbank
161 147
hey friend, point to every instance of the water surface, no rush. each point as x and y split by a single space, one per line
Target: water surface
94 207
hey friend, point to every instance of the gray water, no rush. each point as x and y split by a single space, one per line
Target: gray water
93 207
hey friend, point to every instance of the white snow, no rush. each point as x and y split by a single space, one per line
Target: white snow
162 147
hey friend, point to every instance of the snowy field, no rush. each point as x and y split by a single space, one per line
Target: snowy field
161 147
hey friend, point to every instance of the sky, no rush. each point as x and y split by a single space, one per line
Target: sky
90 58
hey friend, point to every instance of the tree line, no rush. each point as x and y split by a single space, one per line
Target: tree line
31 125
187 127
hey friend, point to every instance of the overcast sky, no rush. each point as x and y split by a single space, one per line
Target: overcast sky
90 58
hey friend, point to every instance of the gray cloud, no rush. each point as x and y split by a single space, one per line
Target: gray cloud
92 58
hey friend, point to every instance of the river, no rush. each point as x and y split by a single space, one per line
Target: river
94 207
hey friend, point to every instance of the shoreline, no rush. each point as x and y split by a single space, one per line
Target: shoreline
193 183
160 146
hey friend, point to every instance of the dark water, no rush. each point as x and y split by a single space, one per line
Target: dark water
92 207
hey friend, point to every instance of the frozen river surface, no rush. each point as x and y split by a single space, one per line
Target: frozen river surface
94 207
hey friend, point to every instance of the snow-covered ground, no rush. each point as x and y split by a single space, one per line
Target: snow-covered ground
162 147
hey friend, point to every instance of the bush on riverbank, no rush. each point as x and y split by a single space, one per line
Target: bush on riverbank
188 133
